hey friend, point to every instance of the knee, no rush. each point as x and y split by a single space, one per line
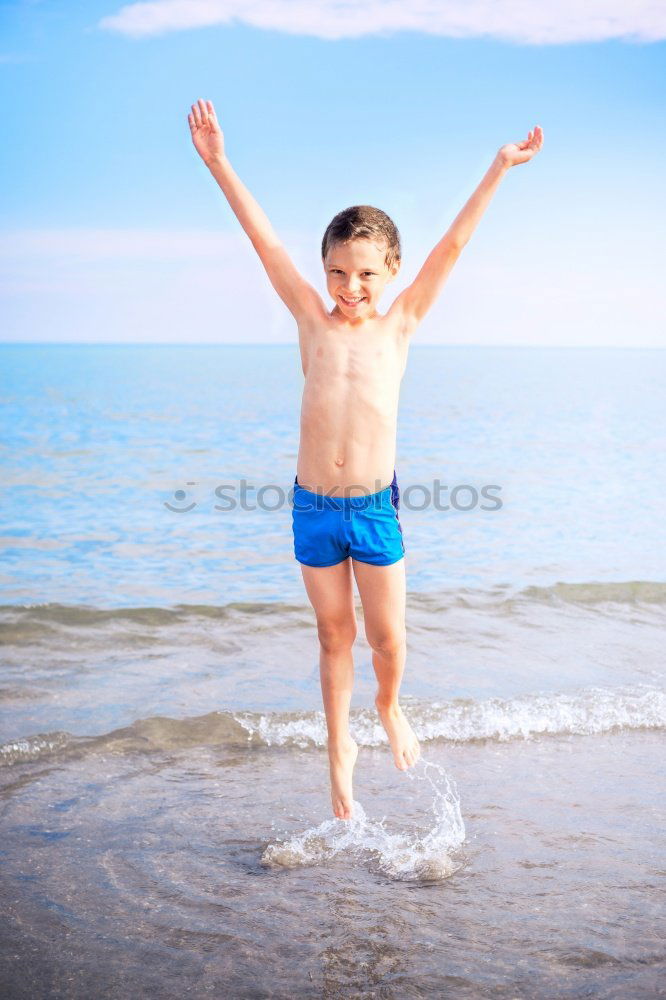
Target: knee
389 642
336 636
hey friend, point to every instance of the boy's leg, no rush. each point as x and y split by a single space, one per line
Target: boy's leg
382 591
331 594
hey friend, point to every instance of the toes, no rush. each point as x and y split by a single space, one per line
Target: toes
341 811
411 754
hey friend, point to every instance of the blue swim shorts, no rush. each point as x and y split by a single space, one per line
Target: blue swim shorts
328 530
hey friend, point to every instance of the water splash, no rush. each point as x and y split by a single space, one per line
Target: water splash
406 856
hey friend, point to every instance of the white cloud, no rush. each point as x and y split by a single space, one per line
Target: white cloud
527 22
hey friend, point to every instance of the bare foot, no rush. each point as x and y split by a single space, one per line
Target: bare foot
405 746
341 758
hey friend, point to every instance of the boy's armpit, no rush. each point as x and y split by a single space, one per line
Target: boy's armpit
299 296
401 316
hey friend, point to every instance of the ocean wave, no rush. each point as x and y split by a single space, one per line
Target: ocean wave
629 593
34 747
88 616
587 711
461 720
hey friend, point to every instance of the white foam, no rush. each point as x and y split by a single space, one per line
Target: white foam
400 855
32 747
587 711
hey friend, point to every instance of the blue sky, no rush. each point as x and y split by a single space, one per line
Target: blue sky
114 231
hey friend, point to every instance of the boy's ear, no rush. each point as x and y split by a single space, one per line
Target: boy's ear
393 270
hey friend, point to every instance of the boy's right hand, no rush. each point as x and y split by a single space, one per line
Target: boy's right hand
206 133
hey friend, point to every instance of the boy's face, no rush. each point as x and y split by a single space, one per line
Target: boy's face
356 274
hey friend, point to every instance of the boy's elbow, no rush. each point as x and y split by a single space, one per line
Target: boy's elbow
454 242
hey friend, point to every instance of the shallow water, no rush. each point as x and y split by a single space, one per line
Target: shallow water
206 869
156 842
164 809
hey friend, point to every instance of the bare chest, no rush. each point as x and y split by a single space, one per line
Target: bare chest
370 359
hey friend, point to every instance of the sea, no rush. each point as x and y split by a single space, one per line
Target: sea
165 822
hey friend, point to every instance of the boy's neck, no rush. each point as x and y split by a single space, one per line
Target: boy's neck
352 322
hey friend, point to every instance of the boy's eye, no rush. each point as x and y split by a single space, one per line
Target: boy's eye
336 270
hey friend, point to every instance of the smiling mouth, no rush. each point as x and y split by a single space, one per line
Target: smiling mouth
352 302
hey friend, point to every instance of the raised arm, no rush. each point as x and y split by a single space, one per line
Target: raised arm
297 294
413 303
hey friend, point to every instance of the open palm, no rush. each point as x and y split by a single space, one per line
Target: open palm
520 152
205 131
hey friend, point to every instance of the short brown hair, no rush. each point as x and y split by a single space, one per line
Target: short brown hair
363 222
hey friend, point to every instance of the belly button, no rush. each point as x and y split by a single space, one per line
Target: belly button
339 461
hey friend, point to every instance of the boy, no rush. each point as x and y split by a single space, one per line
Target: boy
345 494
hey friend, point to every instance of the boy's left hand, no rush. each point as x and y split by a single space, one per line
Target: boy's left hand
520 152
